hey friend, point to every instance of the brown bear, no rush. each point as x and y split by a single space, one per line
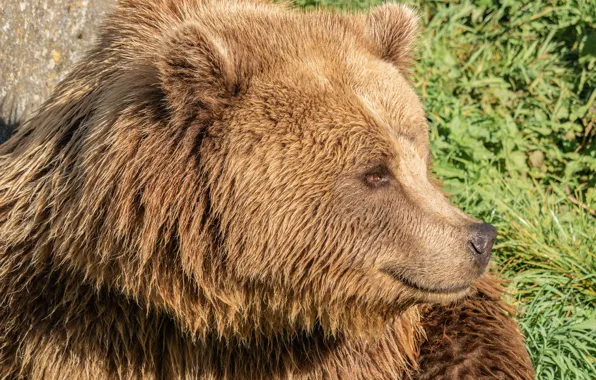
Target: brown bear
236 190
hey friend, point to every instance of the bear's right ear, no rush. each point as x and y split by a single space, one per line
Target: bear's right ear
199 73
393 29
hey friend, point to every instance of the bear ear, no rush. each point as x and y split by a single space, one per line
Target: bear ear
393 29
199 72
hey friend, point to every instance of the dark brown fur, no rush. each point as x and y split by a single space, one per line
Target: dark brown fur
191 202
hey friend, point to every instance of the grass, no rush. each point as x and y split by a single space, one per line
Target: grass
510 91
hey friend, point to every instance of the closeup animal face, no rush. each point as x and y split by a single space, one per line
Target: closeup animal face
322 168
328 184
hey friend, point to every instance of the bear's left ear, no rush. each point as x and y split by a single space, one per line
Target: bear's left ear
393 29
200 72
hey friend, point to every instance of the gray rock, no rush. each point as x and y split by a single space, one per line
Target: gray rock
40 40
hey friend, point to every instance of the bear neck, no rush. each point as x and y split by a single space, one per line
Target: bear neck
59 310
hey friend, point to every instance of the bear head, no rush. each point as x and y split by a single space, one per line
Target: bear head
244 167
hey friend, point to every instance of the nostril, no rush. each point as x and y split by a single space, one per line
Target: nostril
481 242
475 248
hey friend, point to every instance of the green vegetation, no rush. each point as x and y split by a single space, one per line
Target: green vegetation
510 90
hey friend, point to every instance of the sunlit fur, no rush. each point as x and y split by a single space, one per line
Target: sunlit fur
190 202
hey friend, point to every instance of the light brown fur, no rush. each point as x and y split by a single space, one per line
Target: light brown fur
192 202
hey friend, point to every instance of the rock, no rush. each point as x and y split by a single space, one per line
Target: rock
40 40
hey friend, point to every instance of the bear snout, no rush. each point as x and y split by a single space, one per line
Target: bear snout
481 242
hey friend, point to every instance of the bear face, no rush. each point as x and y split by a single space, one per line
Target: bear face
318 161
347 163
242 167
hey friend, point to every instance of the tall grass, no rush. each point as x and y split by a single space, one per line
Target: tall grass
510 91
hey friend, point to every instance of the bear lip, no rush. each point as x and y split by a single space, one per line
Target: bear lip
412 284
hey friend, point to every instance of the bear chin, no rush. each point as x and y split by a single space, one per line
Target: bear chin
430 293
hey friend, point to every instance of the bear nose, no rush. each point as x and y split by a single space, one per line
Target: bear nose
481 243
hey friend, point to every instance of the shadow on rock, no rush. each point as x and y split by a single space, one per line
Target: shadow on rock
6 129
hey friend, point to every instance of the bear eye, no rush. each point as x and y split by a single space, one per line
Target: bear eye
378 176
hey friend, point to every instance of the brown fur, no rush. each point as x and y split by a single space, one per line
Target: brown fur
194 201
461 339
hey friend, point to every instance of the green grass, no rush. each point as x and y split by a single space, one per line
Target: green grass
510 91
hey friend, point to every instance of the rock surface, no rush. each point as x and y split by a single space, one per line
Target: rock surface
40 40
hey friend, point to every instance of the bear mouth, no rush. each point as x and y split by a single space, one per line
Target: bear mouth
452 289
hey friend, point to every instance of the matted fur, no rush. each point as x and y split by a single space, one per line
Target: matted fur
188 204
